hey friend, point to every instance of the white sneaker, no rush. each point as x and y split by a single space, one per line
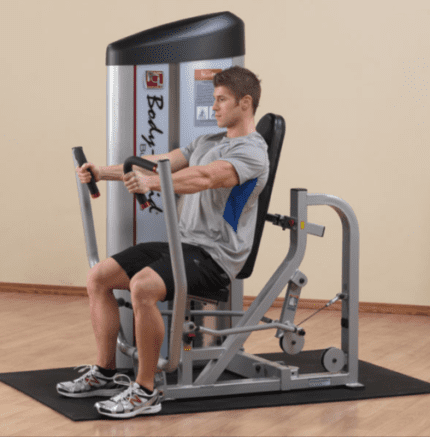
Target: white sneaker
131 402
93 383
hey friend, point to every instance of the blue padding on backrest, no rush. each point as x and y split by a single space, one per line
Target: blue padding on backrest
236 202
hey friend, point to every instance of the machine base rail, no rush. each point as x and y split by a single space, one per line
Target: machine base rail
256 385
253 374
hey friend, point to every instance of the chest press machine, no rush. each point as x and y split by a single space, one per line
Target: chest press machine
254 374
158 81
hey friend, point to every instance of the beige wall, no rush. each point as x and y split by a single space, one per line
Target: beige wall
350 78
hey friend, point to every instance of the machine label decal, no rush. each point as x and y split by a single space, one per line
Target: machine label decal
152 138
154 80
158 101
292 302
203 97
320 382
154 102
153 206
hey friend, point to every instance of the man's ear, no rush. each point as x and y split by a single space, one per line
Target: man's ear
246 102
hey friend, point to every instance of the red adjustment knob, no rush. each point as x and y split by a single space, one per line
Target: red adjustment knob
291 222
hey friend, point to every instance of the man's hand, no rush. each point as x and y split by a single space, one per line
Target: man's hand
136 183
84 174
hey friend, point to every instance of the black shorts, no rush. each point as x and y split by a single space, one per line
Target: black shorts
204 276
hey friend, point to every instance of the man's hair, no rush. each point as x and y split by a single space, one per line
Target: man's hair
241 82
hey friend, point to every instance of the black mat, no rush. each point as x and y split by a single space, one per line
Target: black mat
379 383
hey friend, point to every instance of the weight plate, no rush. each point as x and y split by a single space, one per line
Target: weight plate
333 360
291 343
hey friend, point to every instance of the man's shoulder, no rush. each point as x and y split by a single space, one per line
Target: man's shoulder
211 137
257 139
251 142
254 139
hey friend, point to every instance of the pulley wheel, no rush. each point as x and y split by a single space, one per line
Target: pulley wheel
333 359
292 343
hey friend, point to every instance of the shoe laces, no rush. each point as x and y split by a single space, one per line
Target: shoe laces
125 395
85 367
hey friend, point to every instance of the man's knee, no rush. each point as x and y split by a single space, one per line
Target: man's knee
106 276
95 276
147 288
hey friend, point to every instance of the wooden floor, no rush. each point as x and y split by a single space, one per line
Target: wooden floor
40 332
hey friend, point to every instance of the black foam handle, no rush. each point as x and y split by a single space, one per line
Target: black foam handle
81 160
147 165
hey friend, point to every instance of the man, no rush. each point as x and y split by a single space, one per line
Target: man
221 176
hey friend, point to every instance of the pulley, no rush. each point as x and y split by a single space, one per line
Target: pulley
292 343
333 359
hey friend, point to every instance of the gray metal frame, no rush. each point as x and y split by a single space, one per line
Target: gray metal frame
255 374
119 203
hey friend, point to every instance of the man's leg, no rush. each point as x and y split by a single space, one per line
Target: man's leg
102 279
147 288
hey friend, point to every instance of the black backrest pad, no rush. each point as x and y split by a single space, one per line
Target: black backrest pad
272 129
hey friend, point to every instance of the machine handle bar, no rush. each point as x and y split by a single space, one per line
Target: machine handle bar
147 165
86 211
81 160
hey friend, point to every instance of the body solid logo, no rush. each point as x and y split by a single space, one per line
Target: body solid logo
154 80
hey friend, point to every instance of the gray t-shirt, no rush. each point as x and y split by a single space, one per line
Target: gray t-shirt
222 221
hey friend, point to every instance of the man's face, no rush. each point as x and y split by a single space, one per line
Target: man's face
227 110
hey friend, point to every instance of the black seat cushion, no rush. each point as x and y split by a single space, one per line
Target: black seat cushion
272 129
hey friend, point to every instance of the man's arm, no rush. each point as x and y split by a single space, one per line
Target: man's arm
116 173
176 158
217 174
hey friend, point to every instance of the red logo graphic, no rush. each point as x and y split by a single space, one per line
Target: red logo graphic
134 400
92 381
154 80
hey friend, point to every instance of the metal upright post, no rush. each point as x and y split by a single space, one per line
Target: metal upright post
177 257
350 278
87 220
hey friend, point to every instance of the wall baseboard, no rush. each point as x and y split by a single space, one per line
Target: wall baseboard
313 304
364 307
59 290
